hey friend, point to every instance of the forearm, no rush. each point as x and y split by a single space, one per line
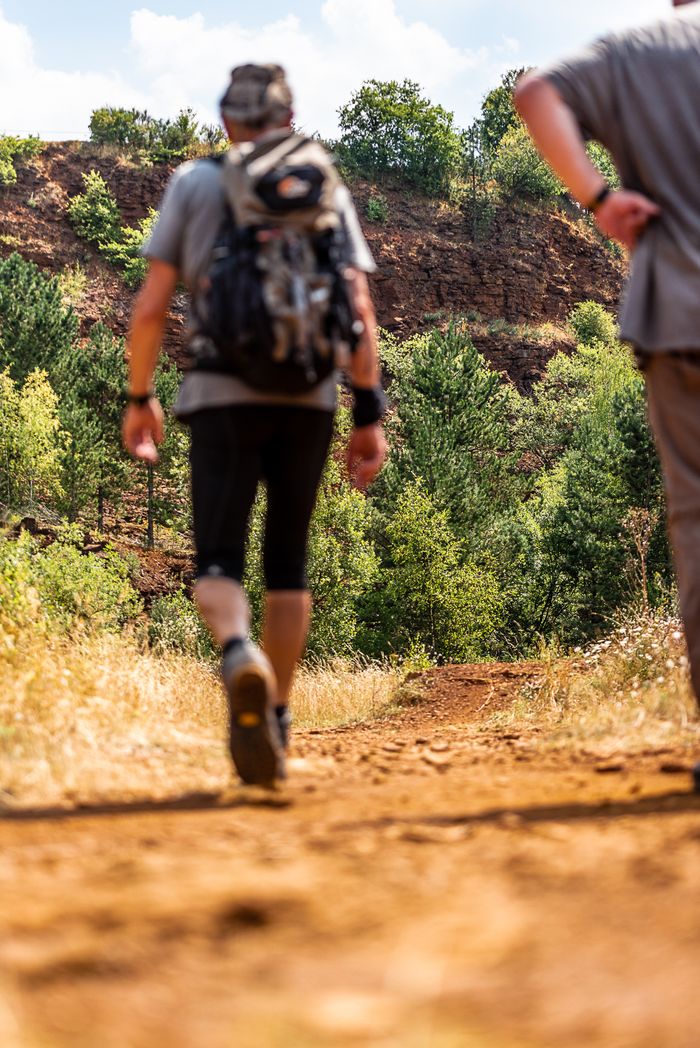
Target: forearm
143 348
557 136
363 370
147 324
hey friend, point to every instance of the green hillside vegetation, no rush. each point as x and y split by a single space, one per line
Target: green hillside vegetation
13 149
500 522
390 130
153 140
95 217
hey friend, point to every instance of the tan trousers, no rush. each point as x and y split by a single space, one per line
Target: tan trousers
673 388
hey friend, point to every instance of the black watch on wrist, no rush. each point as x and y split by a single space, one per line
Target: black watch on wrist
140 399
600 197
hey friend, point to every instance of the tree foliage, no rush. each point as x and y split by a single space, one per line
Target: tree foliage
450 428
30 441
91 379
13 149
136 131
498 113
95 217
430 596
62 588
520 171
36 328
388 127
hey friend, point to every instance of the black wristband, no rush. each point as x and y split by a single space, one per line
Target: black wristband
601 196
140 399
369 406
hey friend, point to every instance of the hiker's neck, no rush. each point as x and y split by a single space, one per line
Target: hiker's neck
239 133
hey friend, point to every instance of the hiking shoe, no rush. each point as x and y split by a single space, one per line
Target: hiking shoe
254 737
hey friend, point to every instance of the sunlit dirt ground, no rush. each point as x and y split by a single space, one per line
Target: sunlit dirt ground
428 880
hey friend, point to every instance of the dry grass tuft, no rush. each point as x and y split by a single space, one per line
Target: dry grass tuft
100 719
343 691
628 692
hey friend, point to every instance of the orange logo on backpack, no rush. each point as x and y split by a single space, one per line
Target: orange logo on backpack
292 187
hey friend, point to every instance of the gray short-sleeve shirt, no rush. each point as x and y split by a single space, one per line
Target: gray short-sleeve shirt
191 213
638 93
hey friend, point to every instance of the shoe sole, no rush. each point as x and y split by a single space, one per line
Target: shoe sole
252 748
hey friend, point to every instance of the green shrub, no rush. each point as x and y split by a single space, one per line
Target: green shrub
390 128
95 217
176 625
93 590
605 163
520 171
591 322
597 473
91 381
64 587
94 212
126 128
136 132
450 429
73 282
18 601
431 597
377 208
12 149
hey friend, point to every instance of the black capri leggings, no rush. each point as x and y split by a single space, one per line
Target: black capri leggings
235 447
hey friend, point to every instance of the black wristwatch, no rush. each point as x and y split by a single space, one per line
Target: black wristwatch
140 399
600 197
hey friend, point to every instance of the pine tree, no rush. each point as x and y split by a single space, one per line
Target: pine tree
450 429
30 441
91 379
36 328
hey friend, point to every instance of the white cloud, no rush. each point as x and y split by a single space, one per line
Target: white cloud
174 62
50 102
187 60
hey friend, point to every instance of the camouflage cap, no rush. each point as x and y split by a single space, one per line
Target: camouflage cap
257 95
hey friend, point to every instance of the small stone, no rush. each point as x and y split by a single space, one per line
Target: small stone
436 760
610 769
510 820
674 768
439 746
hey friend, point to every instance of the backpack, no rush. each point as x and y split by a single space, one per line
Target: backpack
273 307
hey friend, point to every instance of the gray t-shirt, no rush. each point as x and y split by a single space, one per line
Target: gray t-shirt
638 93
191 213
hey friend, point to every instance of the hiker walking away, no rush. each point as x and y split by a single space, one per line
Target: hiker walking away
638 93
268 244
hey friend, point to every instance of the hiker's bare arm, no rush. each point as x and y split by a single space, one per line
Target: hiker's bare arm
623 215
364 365
143 425
367 446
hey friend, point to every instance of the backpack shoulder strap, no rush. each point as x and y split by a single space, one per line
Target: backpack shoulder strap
282 148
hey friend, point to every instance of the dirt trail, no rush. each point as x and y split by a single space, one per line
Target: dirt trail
424 881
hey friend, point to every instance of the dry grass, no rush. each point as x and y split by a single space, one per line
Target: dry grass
546 334
343 692
100 719
626 693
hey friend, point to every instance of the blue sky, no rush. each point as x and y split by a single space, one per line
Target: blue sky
61 60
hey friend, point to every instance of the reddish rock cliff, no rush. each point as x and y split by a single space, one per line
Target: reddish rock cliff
530 268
